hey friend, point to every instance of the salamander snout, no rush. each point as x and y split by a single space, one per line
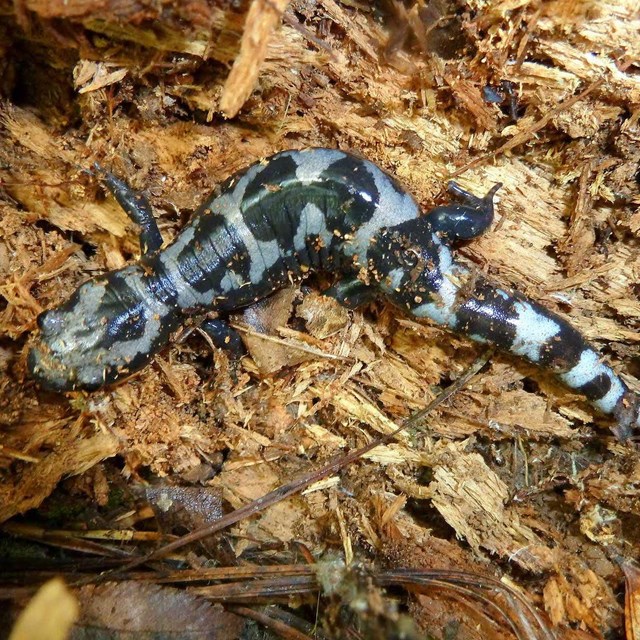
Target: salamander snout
59 357
71 349
109 328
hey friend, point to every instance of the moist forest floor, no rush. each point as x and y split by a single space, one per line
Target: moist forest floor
514 479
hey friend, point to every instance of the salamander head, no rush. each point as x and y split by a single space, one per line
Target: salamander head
104 332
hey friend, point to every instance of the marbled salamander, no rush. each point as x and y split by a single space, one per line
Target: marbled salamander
269 224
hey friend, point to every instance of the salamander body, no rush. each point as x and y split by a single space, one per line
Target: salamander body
316 209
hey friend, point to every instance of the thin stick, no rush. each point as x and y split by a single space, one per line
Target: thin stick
285 343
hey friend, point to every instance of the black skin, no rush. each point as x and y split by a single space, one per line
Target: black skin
466 220
223 336
137 207
457 222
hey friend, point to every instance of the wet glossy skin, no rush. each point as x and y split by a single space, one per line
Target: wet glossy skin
275 221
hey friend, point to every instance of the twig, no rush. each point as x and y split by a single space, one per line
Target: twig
285 343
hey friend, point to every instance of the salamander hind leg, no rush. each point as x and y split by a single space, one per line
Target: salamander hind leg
466 219
137 207
351 292
224 337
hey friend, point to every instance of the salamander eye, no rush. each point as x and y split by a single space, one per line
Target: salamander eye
49 321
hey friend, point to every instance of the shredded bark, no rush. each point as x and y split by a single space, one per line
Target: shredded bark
513 479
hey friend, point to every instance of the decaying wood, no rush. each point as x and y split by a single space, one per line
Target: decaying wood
263 17
177 96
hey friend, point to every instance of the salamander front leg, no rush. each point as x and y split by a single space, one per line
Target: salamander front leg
351 292
137 207
224 337
466 219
